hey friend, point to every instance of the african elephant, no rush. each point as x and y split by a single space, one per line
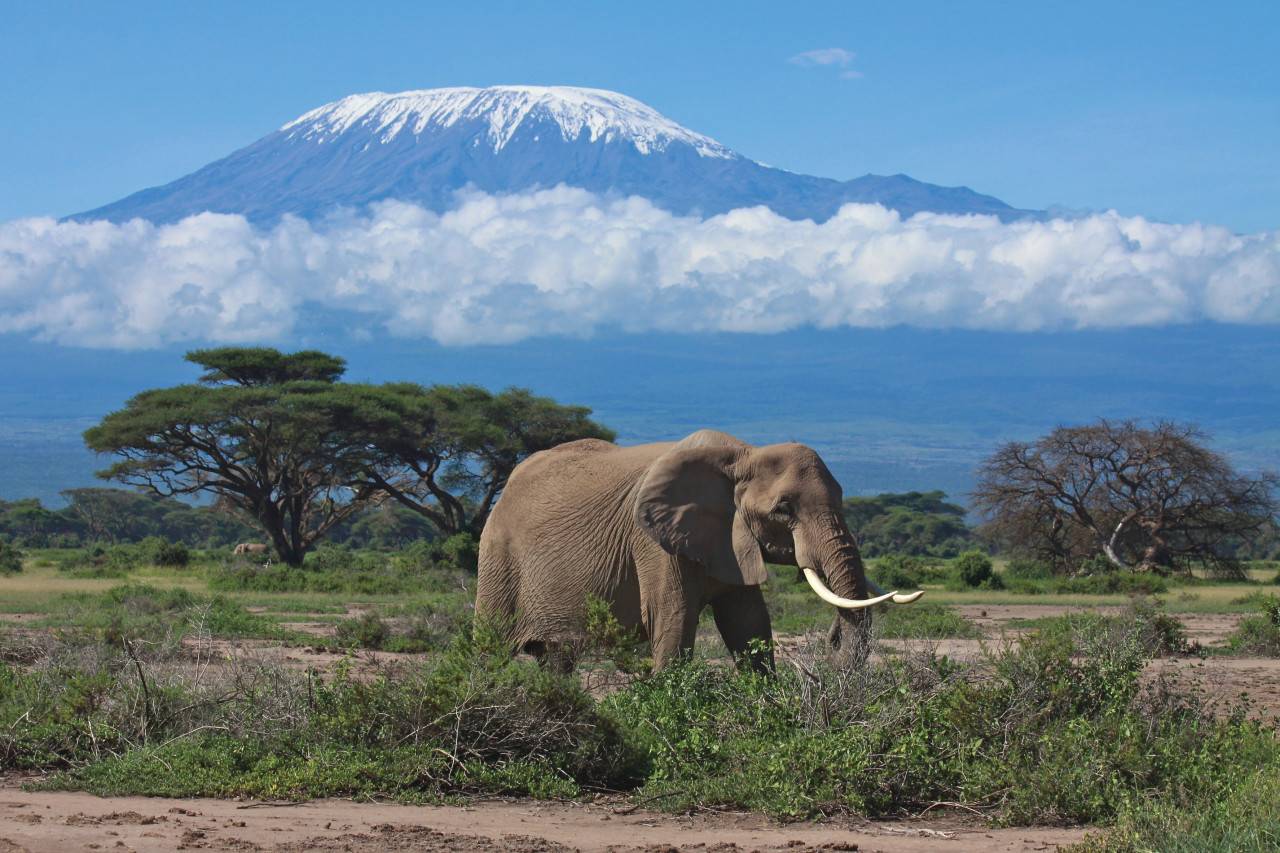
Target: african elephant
660 531
250 548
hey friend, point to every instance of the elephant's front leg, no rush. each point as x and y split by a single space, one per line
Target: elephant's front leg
672 602
743 622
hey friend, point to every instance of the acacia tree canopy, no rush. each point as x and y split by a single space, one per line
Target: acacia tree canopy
262 431
1146 497
446 451
278 438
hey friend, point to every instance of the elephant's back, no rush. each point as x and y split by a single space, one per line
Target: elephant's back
579 468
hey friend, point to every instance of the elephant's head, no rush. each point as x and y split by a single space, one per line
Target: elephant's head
732 507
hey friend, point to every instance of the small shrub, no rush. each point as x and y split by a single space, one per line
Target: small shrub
333 569
607 639
1258 634
160 552
974 569
10 558
430 629
366 631
1160 633
1023 568
1144 623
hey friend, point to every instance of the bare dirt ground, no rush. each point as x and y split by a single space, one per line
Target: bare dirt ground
64 822
1208 629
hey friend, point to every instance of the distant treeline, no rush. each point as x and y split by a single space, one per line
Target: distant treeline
117 516
919 524
916 523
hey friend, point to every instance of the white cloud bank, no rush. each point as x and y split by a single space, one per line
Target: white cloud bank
563 261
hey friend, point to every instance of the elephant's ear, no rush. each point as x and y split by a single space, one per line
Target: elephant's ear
686 504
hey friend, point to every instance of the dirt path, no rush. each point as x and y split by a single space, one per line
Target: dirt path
65 822
1208 629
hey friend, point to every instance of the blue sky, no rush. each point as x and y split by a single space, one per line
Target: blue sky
1171 110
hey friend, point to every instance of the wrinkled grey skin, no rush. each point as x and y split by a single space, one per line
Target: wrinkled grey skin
660 531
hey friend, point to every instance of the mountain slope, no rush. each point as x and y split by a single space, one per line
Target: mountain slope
424 146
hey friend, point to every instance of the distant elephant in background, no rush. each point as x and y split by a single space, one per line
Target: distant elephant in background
250 548
660 531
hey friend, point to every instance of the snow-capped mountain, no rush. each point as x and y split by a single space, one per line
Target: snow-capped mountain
423 146
602 116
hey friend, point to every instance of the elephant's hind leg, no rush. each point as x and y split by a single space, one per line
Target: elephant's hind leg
743 622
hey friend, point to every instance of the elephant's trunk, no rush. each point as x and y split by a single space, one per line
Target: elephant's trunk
828 554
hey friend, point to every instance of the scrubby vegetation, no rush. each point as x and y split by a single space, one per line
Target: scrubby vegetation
1245 820
470 720
1055 728
429 565
158 617
1258 634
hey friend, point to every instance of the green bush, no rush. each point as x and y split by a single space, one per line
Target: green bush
898 571
974 569
366 631
1258 634
430 628
160 552
1023 568
1055 728
10 558
459 552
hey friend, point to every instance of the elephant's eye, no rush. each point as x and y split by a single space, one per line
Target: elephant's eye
783 508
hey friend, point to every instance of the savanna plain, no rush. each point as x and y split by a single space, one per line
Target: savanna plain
222 702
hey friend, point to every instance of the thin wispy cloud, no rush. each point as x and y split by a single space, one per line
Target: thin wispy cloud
829 57
563 261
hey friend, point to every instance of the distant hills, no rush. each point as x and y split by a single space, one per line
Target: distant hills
424 146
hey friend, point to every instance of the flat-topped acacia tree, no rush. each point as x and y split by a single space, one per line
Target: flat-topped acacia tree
262 430
280 439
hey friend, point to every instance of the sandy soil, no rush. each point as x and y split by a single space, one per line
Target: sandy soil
1208 629
63 822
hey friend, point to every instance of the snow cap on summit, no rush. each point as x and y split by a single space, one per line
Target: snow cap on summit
601 114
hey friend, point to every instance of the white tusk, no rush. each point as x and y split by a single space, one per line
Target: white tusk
898 597
831 598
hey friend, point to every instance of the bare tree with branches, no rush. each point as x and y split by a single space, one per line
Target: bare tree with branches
1150 498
